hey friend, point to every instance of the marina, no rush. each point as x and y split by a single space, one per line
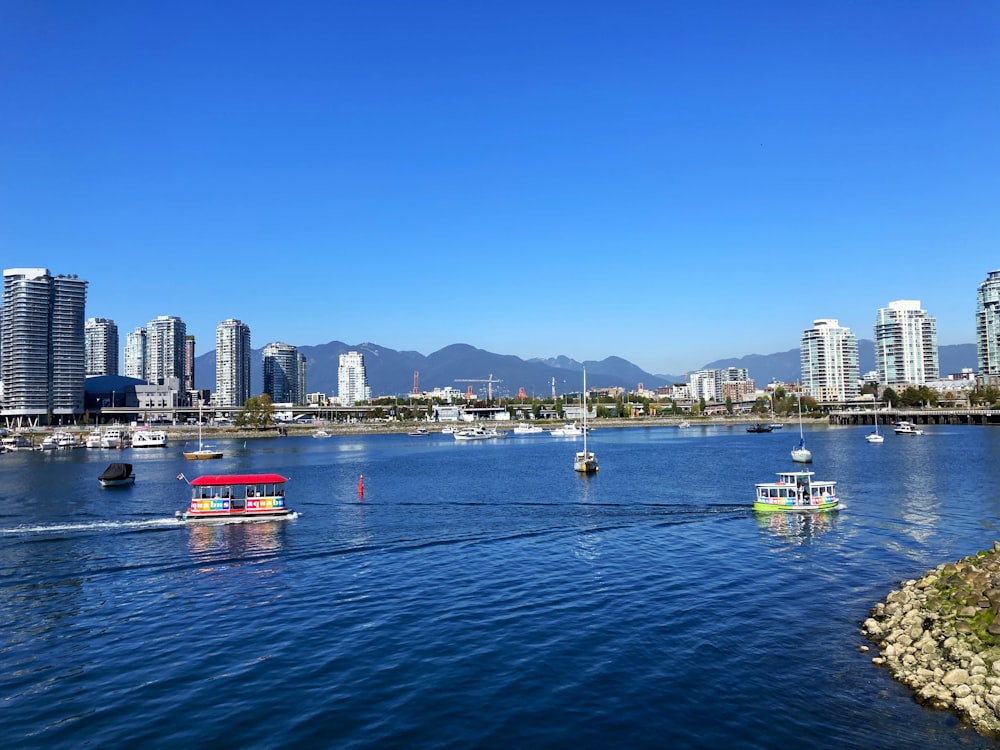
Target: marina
553 611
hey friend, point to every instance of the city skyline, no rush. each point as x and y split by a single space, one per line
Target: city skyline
670 184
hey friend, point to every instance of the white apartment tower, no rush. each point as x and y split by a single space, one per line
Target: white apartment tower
906 351
300 360
165 350
232 363
281 373
135 354
988 325
352 380
42 344
829 355
101 346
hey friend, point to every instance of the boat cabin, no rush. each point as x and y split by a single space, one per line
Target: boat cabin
796 490
235 495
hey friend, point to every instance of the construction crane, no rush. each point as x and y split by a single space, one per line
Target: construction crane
489 384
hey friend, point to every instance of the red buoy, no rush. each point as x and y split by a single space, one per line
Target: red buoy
361 486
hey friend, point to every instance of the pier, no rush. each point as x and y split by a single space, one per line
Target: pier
917 416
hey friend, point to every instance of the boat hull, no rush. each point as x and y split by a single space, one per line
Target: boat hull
802 455
117 482
205 455
789 507
275 514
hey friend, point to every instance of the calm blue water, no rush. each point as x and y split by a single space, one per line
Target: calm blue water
481 594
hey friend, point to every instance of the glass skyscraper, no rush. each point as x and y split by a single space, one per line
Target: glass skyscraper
101 337
42 344
988 325
281 374
829 356
906 351
232 363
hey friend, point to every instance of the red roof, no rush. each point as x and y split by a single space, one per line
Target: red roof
215 480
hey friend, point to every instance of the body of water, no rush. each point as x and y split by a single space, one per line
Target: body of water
481 594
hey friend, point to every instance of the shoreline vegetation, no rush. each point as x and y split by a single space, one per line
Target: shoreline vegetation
940 636
372 427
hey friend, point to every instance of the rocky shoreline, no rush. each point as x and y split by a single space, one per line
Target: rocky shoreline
940 635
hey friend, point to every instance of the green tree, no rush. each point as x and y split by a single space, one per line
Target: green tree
889 396
258 411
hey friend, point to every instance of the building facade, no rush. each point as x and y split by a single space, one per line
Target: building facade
189 364
829 358
281 373
42 344
352 379
165 349
135 354
906 350
715 385
232 363
988 325
101 346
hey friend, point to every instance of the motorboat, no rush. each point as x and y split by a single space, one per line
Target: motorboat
48 443
117 475
93 438
584 461
479 433
225 497
683 424
528 429
114 437
321 433
419 432
906 428
146 438
66 441
13 443
796 492
759 427
570 429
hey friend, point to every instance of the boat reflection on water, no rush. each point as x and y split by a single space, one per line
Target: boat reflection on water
797 527
218 542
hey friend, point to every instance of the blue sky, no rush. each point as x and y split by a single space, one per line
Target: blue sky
670 182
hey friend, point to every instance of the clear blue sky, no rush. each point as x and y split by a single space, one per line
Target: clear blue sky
670 182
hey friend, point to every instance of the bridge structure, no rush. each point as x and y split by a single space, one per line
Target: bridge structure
916 416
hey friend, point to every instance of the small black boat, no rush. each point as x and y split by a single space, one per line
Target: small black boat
759 427
117 475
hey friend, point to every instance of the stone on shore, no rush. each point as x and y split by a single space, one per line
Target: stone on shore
940 635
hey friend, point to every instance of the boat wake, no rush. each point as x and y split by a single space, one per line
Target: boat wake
88 526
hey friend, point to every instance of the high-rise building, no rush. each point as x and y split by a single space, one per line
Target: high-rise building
281 373
829 355
711 385
165 338
232 363
42 344
101 346
135 354
988 325
189 364
352 380
301 364
906 351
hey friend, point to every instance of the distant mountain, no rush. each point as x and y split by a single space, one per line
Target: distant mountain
392 372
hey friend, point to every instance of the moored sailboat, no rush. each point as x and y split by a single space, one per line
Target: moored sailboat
585 462
800 453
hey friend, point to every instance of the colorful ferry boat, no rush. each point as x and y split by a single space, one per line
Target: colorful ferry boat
796 491
232 496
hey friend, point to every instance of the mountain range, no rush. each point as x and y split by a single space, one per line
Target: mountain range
392 372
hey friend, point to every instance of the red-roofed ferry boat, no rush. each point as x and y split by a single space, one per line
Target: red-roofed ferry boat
236 496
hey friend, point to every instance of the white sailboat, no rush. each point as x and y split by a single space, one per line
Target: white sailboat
584 461
875 437
204 452
801 454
